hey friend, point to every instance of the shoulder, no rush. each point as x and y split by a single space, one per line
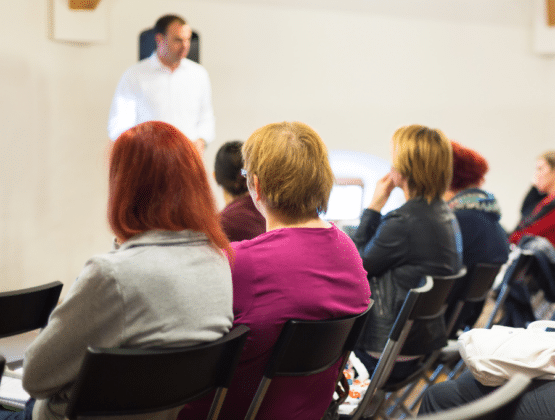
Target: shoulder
193 67
142 66
136 72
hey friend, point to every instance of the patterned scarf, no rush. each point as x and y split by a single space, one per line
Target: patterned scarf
475 199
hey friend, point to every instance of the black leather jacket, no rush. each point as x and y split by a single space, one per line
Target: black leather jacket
398 249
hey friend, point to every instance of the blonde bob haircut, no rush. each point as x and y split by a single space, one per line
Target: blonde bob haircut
549 157
425 158
294 174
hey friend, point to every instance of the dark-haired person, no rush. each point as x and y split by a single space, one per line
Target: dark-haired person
302 267
420 238
166 87
167 284
240 218
541 221
478 214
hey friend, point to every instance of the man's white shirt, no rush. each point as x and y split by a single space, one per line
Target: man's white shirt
149 91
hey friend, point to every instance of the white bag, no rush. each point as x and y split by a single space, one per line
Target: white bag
495 355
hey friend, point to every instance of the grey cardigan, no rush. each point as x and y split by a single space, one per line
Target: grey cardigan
159 289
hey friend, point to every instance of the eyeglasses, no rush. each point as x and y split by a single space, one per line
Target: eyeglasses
244 172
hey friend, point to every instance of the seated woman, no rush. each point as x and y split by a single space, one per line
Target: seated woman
167 283
536 403
477 211
240 218
302 267
541 222
420 238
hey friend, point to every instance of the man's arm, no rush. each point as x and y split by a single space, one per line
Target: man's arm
206 122
123 112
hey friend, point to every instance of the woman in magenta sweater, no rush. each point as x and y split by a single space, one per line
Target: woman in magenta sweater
302 267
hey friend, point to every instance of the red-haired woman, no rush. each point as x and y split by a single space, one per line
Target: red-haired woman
484 239
167 283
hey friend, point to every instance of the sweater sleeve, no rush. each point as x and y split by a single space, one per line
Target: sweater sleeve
90 315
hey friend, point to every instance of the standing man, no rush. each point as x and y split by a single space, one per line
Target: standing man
166 87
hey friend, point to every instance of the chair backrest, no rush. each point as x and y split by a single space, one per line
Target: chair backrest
122 381
27 309
498 404
423 303
2 365
516 270
147 45
479 281
306 348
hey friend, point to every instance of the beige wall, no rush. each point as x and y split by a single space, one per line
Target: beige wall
355 70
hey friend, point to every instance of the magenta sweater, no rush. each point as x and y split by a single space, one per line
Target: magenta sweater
305 273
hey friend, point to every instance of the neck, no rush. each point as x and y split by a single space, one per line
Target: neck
406 192
171 65
230 198
273 222
449 194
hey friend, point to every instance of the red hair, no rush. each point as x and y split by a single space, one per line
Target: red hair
158 182
469 167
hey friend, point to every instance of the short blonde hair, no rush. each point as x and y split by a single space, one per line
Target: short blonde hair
549 157
425 158
291 163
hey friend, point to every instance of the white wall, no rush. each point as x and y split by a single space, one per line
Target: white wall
355 70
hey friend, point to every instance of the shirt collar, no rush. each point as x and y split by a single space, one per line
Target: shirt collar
157 64
163 237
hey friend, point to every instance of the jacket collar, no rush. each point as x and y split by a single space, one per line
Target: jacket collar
163 237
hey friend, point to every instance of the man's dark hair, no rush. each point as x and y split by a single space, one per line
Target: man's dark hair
162 24
227 168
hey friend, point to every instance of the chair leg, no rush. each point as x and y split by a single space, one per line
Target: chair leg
258 397
217 404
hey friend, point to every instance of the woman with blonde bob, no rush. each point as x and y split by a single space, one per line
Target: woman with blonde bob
301 267
420 238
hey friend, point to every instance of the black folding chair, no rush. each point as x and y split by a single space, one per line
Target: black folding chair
26 310
2 365
497 405
121 381
421 304
478 284
309 347
516 271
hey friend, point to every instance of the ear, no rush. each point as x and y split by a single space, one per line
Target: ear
158 38
257 191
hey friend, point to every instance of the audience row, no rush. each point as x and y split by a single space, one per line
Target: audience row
173 278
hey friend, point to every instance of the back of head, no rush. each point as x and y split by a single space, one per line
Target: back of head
469 167
157 181
424 157
549 157
227 168
291 163
161 25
